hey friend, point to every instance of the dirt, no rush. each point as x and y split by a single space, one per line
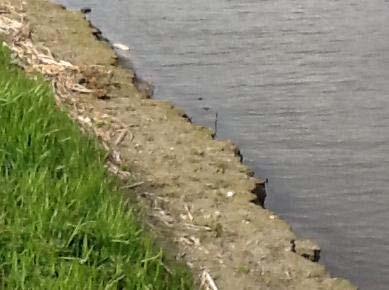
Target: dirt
195 189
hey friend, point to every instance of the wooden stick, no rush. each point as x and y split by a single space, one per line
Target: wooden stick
207 282
121 137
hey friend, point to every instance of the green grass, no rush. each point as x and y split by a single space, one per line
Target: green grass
63 225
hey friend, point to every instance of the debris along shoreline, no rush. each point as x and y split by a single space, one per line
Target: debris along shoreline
196 191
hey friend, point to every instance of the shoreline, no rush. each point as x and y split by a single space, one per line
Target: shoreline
72 170
196 189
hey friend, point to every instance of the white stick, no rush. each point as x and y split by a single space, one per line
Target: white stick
207 280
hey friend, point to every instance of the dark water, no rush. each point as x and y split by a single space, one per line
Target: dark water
302 86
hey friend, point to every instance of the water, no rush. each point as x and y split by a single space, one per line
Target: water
301 86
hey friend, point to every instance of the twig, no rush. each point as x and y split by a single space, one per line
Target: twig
121 137
207 282
188 213
134 185
81 89
197 228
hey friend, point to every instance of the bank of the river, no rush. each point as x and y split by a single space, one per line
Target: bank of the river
63 223
197 193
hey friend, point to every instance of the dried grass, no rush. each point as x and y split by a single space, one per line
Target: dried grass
65 79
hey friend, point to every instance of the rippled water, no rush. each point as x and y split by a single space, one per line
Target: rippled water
302 86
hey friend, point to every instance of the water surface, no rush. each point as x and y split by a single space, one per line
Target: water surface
301 86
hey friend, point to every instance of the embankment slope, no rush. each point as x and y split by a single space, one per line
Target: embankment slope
197 192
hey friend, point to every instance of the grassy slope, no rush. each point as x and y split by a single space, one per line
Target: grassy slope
62 224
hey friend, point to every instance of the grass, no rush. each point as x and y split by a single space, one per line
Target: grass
63 225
